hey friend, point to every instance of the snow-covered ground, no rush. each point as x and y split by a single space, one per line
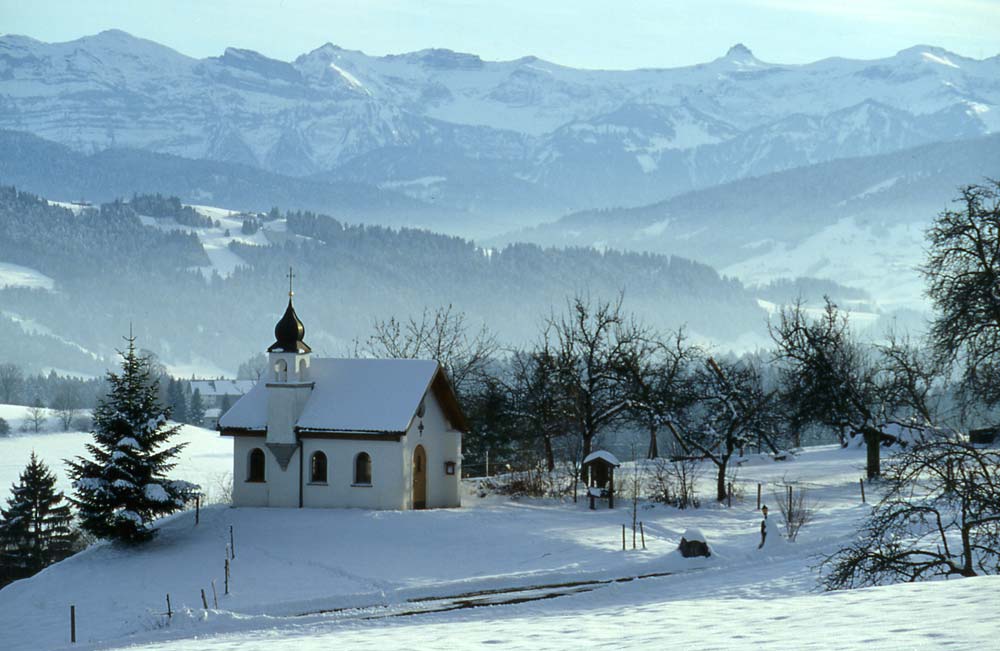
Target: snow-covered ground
547 574
14 275
206 460
884 261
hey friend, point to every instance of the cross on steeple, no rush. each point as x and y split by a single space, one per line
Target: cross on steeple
290 277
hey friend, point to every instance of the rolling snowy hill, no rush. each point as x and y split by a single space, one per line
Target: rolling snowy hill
521 573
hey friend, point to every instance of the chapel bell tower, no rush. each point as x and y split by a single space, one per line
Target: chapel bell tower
288 381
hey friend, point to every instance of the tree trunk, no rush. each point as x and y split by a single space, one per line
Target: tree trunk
720 484
550 460
654 450
873 443
587 443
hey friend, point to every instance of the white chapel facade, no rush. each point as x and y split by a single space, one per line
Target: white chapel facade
330 433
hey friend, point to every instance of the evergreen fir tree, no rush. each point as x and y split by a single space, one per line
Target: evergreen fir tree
227 404
177 401
35 527
196 411
123 487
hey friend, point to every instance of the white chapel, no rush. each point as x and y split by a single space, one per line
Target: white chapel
324 432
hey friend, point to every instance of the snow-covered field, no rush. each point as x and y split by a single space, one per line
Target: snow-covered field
533 574
14 275
207 460
884 261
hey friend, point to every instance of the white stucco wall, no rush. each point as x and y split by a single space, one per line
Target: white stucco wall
279 488
287 395
385 491
441 444
392 469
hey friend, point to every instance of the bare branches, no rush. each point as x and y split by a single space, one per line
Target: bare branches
963 281
593 342
940 516
829 378
442 335
732 408
658 377
796 510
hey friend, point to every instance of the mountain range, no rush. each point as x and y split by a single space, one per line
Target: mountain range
509 143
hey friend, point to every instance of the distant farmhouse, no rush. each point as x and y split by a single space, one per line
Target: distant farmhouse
324 432
218 396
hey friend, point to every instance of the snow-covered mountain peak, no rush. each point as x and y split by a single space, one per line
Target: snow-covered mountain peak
740 52
444 59
256 62
740 57
118 42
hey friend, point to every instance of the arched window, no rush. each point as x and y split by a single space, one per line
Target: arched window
363 469
255 465
281 371
317 468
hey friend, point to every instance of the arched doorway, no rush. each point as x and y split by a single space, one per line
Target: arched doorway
419 478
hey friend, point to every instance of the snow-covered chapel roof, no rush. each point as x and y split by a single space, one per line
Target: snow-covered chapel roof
355 395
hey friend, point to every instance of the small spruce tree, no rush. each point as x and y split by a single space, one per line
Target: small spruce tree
35 528
196 410
123 487
177 401
227 404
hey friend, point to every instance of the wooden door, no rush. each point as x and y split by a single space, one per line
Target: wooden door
419 478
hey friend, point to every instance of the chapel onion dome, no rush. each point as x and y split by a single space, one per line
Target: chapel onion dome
288 333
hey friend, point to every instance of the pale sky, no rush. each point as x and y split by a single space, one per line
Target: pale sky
580 33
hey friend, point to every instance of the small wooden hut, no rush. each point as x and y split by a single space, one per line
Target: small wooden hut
599 471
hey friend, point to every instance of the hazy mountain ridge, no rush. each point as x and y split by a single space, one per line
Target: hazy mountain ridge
57 172
199 306
745 226
565 138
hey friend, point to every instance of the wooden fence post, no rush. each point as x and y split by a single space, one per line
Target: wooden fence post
729 494
623 537
197 509
758 496
862 481
72 624
170 612
227 576
215 596
232 544
789 502
642 533
204 601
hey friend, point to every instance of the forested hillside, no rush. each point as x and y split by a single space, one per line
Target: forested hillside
57 172
110 268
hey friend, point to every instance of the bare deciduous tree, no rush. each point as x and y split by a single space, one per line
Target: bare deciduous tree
539 405
659 386
593 343
963 273
66 405
796 510
442 335
675 482
940 516
733 408
829 378
35 419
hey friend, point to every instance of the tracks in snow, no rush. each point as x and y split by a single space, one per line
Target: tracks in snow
478 599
